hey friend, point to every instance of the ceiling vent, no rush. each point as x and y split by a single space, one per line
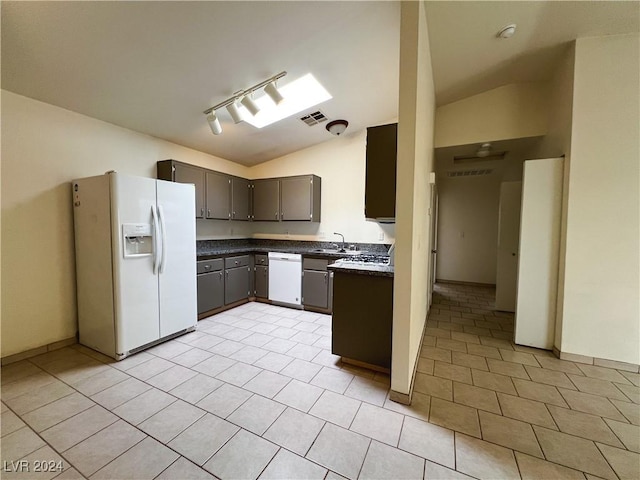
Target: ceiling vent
462 159
469 173
314 118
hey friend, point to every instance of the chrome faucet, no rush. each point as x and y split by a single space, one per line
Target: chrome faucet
342 249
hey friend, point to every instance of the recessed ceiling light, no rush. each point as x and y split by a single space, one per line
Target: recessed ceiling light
303 93
507 32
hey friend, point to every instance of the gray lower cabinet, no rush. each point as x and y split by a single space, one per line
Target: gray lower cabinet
315 289
261 285
317 284
362 318
218 196
266 200
210 285
237 285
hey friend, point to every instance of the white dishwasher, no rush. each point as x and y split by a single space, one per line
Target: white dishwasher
285 278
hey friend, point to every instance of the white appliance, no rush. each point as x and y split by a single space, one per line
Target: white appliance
135 261
285 278
541 212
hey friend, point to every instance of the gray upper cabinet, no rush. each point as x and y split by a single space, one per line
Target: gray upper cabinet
300 198
218 196
266 199
380 184
240 199
174 171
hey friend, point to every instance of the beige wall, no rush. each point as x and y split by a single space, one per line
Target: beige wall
468 228
341 165
415 161
512 111
601 303
555 144
43 149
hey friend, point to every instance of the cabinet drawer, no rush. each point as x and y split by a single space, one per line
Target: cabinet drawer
262 259
233 262
205 266
315 264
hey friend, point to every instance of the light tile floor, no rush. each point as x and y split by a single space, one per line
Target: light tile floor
256 392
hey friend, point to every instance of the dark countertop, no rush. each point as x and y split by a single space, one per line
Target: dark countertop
208 249
362 269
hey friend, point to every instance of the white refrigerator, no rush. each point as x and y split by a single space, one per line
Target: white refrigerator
135 261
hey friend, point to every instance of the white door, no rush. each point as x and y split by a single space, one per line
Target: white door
177 270
135 284
508 239
539 251
433 210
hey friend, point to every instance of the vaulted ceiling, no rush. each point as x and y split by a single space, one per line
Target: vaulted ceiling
153 67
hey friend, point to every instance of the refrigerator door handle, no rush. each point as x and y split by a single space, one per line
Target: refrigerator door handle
156 233
163 228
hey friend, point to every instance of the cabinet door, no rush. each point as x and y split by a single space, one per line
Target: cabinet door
218 196
266 199
262 281
187 174
240 193
296 198
236 285
315 289
210 291
380 184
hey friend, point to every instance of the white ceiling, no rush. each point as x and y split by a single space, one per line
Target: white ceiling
468 59
154 67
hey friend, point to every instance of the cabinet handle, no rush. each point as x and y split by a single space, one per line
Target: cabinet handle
202 212
227 273
220 274
236 262
209 213
276 215
325 278
281 215
234 215
207 267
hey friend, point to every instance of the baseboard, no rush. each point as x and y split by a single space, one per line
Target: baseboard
471 284
38 351
599 362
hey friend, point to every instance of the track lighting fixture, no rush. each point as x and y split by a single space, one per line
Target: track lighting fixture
214 123
232 108
250 105
246 100
273 93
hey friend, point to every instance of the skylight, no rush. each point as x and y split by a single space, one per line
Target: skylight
303 93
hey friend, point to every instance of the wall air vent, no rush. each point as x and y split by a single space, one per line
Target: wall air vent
314 118
469 173
462 159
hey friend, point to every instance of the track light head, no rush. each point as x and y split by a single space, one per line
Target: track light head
271 90
235 113
214 123
250 105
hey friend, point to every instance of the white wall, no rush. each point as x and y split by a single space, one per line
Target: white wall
413 222
516 110
340 163
43 148
468 228
555 144
601 303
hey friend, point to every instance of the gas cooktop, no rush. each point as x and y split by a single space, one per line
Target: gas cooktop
367 259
